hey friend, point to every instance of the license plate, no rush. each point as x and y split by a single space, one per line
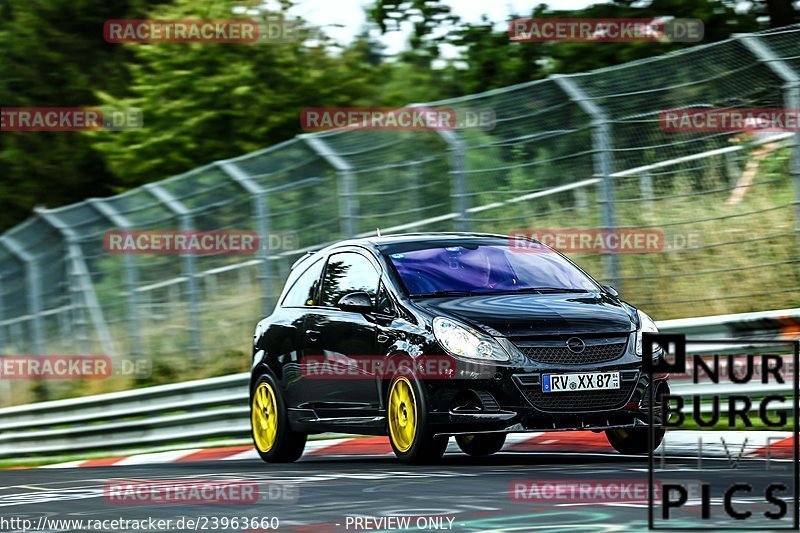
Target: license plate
580 382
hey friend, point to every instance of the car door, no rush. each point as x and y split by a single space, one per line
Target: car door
295 305
341 345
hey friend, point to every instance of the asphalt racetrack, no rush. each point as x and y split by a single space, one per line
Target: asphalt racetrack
459 494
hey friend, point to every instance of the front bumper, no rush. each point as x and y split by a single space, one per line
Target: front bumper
510 400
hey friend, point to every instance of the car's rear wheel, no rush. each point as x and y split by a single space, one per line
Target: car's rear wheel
407 412
633 441
274 440
481 445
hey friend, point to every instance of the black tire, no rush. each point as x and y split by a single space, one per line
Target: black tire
288 445
424 447
633 441
481 445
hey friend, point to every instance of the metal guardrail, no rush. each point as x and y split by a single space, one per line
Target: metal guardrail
217 408
180 412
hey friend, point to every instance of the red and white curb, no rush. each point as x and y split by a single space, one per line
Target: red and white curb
732 444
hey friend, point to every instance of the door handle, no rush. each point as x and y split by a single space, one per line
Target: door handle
312 334
382 337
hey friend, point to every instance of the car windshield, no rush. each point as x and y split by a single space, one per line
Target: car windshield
465 269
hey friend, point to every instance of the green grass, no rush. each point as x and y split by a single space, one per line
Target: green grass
747 257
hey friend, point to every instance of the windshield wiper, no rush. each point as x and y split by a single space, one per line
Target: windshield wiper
557 289
541 290
526 290
446 293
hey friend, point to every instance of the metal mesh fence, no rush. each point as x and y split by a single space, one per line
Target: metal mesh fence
582 151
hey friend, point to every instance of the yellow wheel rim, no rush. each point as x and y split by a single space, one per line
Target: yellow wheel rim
402 412
264 417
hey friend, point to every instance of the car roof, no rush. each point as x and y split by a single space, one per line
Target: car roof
428 237
375 242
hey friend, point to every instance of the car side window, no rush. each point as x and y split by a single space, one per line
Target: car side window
304 290
348 272
384 304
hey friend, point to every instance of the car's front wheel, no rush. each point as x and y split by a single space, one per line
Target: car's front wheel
481 445
633 441
274 439
406 409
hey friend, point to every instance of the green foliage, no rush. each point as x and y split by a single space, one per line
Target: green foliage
720 21
430 21
52 54
203 101
488 59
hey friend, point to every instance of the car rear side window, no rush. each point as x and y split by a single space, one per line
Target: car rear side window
348 272
304 290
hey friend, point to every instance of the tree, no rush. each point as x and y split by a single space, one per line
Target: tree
430 22
488 59
781 12
52 54
207 101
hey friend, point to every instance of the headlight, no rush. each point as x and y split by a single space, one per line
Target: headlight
462 341
646 325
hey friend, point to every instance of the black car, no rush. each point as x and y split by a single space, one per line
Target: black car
426 336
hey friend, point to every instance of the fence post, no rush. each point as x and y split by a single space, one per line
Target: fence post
260 210
791 88
32 289
732 169
458 177
347 203
5 384
77 264
2 321
413 180
188 261
603 164
459 189
78 301
131 274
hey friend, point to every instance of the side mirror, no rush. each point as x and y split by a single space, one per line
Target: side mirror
611 290
356 302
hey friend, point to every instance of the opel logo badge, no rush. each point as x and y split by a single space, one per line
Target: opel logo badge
576 345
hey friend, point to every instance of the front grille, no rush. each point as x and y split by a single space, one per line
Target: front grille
584 401
556 351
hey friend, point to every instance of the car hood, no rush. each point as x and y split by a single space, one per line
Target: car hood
537 314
